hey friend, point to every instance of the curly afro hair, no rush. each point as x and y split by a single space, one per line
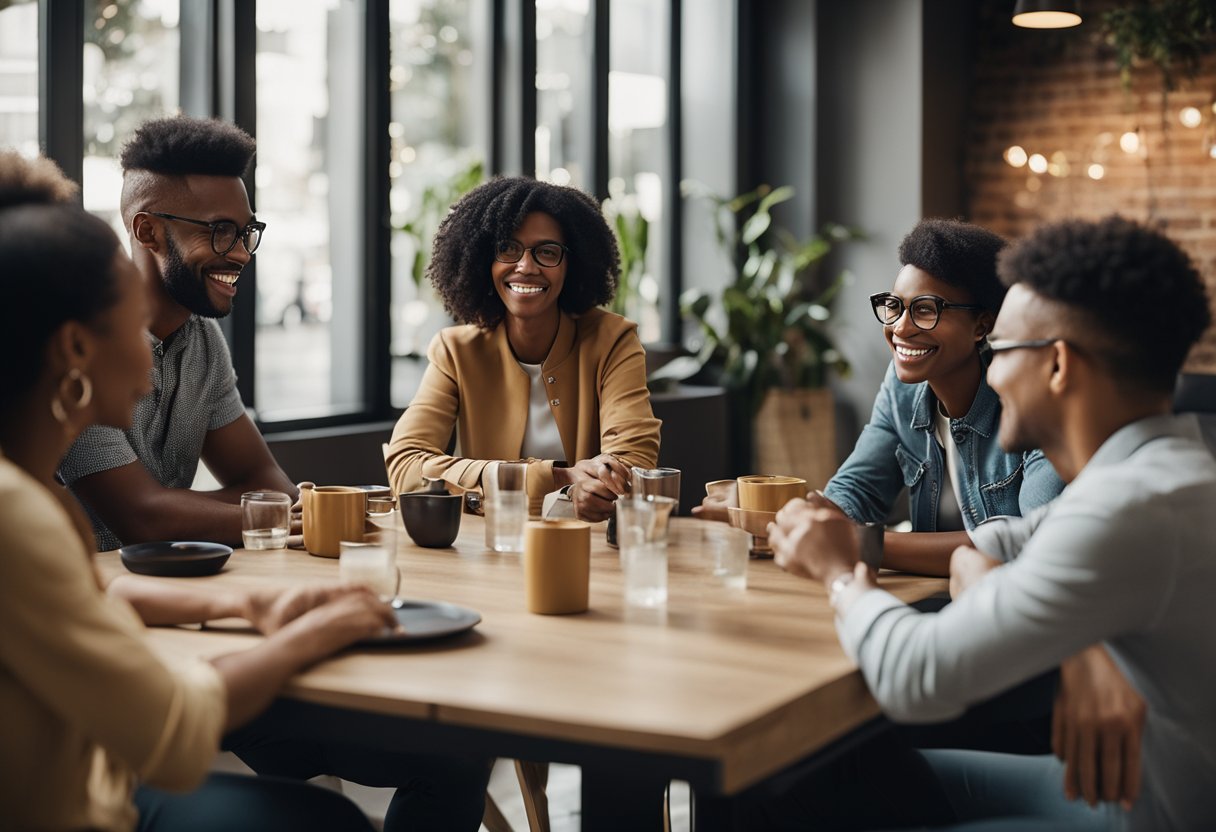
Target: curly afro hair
1132 288
181 145
958 253
468 237
33 181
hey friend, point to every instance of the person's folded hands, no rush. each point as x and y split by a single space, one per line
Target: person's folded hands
595 484
967 566
813 541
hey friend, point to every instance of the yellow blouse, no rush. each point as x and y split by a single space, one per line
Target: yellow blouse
88 709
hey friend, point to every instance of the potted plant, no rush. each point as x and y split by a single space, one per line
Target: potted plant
765 335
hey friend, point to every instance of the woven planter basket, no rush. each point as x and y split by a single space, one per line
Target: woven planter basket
795 433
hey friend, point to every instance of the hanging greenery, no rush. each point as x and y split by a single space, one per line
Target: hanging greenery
1171 34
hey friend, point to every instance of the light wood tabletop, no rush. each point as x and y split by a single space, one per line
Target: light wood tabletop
752 680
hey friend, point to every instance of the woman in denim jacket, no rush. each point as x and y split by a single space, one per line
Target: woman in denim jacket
935 412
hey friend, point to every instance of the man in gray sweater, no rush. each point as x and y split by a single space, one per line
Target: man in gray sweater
1096 325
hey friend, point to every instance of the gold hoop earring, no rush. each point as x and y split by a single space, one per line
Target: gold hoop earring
85 395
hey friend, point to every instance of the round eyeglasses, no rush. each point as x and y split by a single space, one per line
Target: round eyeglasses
546 255
224 233
924 310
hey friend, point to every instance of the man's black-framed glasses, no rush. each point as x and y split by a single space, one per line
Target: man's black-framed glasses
548 254
224 233
924 310
996 345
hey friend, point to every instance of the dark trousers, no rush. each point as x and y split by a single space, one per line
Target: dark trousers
434 792
233 803
887 783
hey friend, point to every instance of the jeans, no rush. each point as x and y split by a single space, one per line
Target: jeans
440 793
235 803
996 792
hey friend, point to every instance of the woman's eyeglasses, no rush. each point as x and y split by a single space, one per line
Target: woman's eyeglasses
224 233
547 255
925 310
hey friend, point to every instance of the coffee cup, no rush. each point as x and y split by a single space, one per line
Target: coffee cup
761 492
557 566
431 517
869 543
332 513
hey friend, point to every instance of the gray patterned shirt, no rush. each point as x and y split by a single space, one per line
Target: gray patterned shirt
193 392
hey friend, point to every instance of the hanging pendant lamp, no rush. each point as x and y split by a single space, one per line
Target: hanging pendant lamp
1046 14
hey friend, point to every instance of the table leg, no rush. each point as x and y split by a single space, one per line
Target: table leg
613 800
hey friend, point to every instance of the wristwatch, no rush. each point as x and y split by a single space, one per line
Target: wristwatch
836 589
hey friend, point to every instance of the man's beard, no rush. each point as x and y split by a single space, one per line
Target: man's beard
186 287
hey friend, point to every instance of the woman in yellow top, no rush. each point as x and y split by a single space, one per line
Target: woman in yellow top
535 371
93 719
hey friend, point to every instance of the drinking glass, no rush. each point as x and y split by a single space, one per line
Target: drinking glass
729 548
370 563
265 519
660 482
642 538
506 505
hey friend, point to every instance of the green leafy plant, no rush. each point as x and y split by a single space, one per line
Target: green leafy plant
633 238
1172 34
433 206
768 327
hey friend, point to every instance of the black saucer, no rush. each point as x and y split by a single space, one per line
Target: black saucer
170 559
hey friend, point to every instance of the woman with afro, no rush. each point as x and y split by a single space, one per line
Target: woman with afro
534 370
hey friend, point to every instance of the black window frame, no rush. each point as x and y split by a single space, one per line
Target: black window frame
217 60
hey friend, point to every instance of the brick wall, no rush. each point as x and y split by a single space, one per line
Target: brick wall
1059 92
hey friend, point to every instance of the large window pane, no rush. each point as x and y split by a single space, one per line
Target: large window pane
130 76
638 160
19 77
310 194
438 78
564 46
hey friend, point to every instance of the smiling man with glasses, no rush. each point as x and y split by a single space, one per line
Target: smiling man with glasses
192 235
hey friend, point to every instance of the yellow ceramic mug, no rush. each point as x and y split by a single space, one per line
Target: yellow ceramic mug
760 492
557 566
332 513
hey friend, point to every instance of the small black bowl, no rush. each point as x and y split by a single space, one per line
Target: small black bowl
432 520
168 559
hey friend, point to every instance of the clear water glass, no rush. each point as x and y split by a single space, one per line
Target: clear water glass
505 505
370 564
265 519
642 538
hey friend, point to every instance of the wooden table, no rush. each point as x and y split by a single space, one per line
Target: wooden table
723 688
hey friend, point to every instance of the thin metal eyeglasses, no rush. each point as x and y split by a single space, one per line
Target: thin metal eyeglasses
924 310
224 233
547 255
1005 344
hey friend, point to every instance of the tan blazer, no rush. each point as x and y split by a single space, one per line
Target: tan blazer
596 377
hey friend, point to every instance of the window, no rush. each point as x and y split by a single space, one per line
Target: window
371 118
564 42
130 76
308 347
19 77
439 142
638 160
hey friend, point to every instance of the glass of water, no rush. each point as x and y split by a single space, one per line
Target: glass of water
641 533
506 505
265 519
370 563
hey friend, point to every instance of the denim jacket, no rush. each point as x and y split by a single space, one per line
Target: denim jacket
898 449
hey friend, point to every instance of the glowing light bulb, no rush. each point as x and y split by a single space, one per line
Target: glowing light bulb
1096 171
1038 163
1130 141
1190 117
1015 156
